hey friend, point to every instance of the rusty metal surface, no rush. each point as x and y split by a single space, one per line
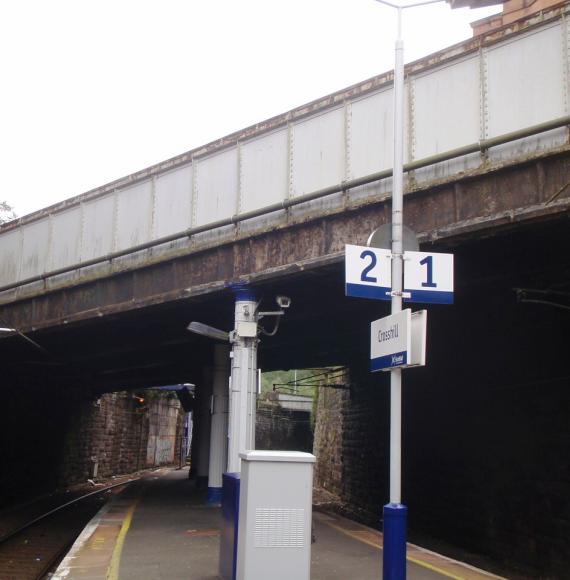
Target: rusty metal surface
448 213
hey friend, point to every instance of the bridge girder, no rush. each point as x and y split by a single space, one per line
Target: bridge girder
129 330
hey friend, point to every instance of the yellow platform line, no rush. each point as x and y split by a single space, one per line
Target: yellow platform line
357 535
113 570
434 568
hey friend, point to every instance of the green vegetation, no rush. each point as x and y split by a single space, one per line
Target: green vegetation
284 382
302 382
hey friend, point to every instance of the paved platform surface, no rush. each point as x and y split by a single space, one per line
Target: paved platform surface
160 529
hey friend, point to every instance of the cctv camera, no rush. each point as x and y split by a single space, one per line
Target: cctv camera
283 301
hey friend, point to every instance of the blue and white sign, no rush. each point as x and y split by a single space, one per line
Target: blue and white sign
398 340
390 341
428 277
368 272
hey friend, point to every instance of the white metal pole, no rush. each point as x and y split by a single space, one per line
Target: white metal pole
241 428
397 263
395 513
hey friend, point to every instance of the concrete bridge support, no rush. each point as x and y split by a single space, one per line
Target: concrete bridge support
219 422
203 429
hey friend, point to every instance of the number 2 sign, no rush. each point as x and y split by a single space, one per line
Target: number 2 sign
428 277
368 272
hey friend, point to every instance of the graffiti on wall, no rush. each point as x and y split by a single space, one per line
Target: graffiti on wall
162 432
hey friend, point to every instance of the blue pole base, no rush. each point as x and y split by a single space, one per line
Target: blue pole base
394 557
214 496
229 527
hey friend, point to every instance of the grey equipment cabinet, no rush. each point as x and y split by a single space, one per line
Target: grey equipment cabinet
274 532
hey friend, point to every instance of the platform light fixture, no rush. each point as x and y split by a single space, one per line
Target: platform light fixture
8 331
208 331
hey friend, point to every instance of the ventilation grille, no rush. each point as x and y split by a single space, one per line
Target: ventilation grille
279 528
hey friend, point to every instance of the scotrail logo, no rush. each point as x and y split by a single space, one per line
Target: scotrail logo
397 359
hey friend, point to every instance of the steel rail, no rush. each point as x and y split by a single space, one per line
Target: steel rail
31 523
478 147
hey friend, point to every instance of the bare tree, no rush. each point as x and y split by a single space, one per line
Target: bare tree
7 212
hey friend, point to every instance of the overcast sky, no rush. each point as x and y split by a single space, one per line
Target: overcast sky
94 90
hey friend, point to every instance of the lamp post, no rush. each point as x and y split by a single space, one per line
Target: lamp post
395 513
243 378
241 427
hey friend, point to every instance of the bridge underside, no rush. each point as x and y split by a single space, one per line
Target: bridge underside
150 346
508 229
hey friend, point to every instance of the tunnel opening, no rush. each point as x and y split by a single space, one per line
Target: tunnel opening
55 439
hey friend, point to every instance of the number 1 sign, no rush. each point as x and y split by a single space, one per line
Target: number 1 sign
428 277
368 272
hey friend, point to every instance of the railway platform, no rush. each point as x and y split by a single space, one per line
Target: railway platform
159 528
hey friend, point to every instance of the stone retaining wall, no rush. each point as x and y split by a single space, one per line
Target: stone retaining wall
281 429
55 437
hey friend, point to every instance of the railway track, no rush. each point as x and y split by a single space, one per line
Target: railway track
36 545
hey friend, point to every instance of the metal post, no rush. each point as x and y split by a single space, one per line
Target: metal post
397 257
243 381
394 561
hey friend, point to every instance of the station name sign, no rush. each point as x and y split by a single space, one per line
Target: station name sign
398 340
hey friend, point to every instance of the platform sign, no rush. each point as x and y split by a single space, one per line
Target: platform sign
398 340
428 277
368 272
390 341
